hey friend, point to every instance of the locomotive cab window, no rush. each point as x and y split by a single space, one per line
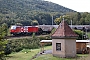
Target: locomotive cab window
13 27
58 46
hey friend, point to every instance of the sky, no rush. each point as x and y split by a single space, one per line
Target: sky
77 5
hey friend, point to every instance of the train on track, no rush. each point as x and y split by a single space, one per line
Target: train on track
28 30
40 29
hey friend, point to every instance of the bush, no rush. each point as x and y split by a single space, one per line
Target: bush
7 49
81 34
17 45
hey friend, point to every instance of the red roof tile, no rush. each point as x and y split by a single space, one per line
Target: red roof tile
64 31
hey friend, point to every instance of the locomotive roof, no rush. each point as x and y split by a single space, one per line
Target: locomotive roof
22 26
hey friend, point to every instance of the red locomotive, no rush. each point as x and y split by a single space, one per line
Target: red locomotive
28 30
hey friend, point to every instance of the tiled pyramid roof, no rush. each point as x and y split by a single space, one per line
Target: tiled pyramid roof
64 31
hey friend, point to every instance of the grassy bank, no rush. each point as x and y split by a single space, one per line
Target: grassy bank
25 54
29 54
22 55
50 57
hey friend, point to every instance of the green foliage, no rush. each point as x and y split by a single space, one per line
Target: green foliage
57 21
81 34
76 17
25 5
2 47
7 49
24 11
28 56
22 55
17 45
51 57
53 30
80 18
34 23
3 31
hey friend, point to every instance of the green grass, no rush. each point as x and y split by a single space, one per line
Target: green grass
50 57
25 56
22 55
30 53
88 33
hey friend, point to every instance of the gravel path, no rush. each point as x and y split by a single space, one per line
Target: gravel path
39 54
48 51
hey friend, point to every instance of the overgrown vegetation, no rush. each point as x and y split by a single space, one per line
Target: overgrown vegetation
25 11
81 35
25 54
51 57
3 42
17 45
22 55
76 17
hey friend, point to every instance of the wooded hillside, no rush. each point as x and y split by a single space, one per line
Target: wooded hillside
24 11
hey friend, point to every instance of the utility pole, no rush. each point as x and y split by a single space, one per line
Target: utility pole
71 24
63 18
52 20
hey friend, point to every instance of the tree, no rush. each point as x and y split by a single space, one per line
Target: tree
66 17
7 49
34 22
58 20
81 34
82 21
2 43
87 19
2 46
5 29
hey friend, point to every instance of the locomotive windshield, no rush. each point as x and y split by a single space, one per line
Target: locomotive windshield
13 27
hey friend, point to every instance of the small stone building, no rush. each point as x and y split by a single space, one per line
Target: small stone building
64 41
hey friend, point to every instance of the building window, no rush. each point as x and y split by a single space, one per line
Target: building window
58 46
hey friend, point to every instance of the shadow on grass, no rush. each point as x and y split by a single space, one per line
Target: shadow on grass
7 56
